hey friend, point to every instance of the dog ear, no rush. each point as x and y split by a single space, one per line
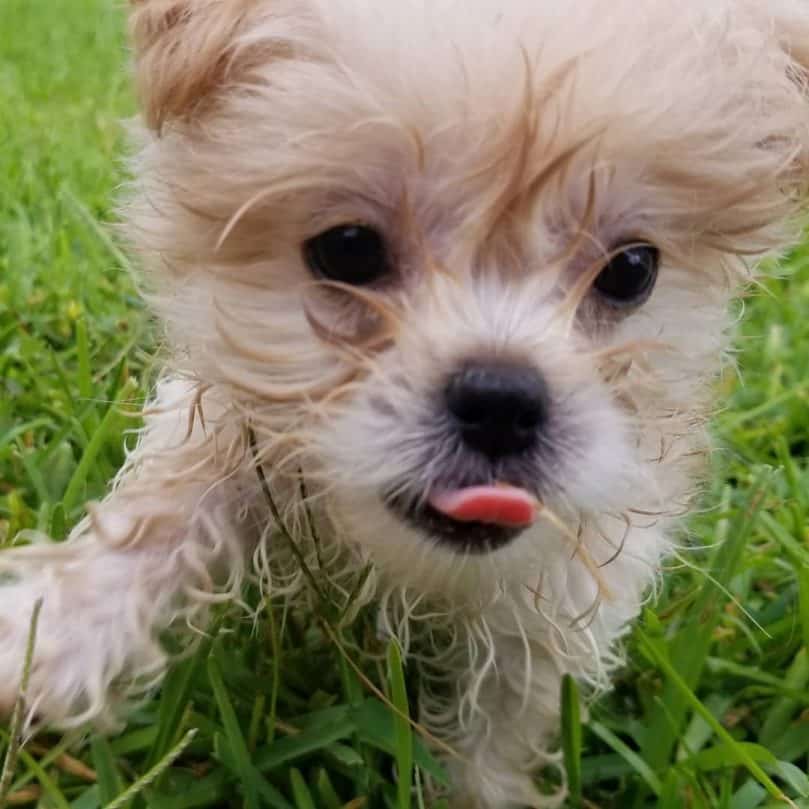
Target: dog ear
184 50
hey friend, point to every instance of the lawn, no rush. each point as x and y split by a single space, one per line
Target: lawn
712 709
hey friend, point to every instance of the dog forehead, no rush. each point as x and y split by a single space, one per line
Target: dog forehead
477 80
476 65
486 42
347 108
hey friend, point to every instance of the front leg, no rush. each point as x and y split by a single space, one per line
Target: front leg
508 659
511 658
508 724
144 560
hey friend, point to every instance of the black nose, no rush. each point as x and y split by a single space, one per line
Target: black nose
499 408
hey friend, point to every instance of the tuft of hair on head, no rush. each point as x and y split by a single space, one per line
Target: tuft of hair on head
184 51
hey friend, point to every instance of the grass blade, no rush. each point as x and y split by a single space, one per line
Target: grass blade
300 792
49 786
73 493
629 755
328 795
109 780
285 751
152 775
174 700
743 756
84 377
782 713
691 646
236 742
572 738
14 741
403 733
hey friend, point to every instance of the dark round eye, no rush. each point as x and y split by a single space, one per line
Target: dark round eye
351 254
628 280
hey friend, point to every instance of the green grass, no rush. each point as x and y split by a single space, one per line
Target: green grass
713 708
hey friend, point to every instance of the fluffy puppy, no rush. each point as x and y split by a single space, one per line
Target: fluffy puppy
464 266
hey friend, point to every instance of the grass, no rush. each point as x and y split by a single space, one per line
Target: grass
712 709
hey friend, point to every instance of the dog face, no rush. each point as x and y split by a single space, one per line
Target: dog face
467 264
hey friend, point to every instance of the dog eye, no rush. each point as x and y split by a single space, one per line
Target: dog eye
352 254
628 280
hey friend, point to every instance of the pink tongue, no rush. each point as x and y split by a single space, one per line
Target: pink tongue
493 505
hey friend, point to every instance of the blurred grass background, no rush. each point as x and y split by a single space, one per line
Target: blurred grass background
713 707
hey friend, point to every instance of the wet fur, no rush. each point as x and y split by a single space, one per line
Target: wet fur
504 148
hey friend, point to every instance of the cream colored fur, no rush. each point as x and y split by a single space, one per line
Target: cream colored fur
503 146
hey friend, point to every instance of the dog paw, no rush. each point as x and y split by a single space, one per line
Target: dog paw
87 653
498 787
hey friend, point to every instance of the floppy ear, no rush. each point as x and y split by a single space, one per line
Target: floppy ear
184 50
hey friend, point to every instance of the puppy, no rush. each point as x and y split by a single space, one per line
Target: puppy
446 288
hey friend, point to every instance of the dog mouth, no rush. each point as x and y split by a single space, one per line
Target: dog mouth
473 519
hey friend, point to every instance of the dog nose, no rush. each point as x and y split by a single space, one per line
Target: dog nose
498 408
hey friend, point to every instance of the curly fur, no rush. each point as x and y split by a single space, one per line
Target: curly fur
504 148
